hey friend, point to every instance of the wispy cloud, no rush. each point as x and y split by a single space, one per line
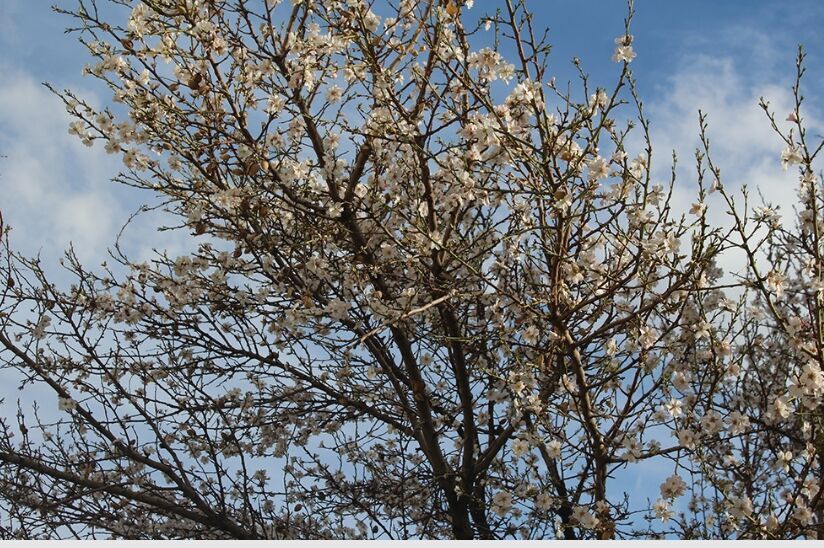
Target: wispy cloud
727 89
55 190
741 140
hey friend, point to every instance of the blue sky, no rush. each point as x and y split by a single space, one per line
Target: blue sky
718 55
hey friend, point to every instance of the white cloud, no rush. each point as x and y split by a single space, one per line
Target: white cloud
742 143
54 190
741 140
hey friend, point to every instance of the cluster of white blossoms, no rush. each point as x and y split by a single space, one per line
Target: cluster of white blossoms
491 65
673 487
39 329
740 507
623 49
502 503
66 404
662 510
791 156
584 517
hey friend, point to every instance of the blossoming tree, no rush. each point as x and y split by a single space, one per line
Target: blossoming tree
431 294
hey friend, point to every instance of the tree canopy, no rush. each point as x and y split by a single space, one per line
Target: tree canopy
433 293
